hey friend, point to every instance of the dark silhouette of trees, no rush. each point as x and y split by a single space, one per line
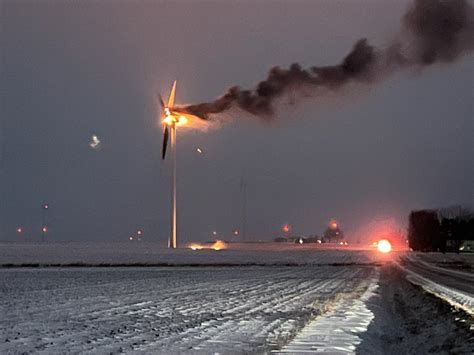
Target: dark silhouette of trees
423 230
440 230
457 225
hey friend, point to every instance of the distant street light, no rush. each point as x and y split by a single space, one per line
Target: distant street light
44 229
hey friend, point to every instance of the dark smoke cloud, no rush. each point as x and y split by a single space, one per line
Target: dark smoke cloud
432 31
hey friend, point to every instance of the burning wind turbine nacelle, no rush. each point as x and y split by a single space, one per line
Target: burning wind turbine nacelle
172 117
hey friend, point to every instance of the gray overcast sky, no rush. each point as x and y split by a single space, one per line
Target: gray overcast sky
73 69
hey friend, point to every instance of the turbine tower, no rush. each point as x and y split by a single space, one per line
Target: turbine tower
171 119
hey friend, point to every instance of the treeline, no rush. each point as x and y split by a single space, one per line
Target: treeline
440 230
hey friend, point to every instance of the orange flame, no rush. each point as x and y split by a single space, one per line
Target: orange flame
217 245
195 246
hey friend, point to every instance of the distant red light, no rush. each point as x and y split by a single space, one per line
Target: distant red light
44 229
286 228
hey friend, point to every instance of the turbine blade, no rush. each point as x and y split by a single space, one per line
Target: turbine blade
172 94
162 103
165 142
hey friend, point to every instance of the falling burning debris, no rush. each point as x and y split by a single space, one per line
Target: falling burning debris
217 245
433 31
95 142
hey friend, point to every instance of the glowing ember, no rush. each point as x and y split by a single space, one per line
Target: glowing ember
384 246
195 246
217 245
95 142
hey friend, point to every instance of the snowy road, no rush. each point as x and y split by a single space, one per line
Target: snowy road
225 309
454 286
458 280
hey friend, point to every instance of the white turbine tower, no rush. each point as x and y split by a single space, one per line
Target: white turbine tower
172 118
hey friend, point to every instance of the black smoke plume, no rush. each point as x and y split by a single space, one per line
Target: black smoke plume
433 31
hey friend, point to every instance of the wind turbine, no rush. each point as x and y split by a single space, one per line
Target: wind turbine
171 119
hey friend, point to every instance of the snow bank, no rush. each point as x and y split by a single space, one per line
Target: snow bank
454 297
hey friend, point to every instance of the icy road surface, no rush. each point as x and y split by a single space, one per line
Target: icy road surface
454 286
225 309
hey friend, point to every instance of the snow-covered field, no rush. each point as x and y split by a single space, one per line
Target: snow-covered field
225 309
246 299
156 254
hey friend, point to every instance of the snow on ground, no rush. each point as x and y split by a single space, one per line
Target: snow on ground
452 285
339 329
155 254
256 298
410 321
461 262
223 309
